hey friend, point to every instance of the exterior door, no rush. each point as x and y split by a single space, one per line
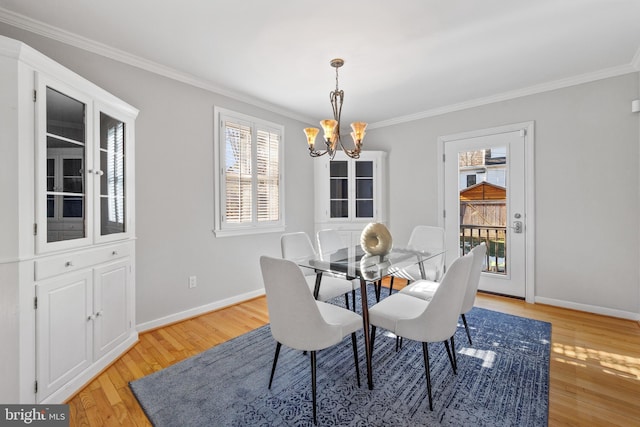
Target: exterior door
485 200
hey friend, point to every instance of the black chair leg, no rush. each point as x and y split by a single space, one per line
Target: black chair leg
346 300
466 327
378 287
313 384
275 361
453 352
425 353
451 358
355 356
353 298
373 337
391 285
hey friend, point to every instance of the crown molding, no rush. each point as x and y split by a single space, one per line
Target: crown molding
72 39
505 96
75 40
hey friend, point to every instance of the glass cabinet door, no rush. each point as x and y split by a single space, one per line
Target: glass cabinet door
112 175
339 189
65 163
364 188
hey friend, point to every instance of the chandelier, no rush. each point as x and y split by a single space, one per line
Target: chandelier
331 127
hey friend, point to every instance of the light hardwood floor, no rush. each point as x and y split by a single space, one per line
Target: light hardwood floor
594 368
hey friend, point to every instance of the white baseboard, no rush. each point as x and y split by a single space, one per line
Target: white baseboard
589 308
196 311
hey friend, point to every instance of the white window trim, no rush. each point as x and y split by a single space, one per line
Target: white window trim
222 229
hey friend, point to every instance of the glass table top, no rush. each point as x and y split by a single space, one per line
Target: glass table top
355 263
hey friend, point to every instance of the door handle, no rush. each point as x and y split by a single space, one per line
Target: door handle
517 227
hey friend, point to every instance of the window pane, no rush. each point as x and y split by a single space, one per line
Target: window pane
238 178
268 179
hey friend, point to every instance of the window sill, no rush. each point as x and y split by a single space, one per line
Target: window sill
248 231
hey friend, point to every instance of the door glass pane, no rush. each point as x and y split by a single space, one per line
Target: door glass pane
65 192
339 188
338 169
364 188
339 208
364 168
364 208
112 178
483 205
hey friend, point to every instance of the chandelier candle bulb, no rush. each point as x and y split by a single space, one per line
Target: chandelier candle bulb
311 136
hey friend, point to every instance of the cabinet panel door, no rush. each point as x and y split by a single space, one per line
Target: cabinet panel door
111 302
63 330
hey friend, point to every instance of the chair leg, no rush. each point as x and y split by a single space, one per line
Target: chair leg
346 300
466 327
378 287
453 352
353 298
355 356
313 384
425 353
373 337
451 358
275 361
391 285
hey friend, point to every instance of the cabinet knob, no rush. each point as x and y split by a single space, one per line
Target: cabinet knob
100 173
90 317
98 314
89 171
114 253
68 264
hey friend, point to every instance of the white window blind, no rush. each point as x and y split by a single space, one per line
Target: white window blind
249 170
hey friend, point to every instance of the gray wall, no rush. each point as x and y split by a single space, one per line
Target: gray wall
586 186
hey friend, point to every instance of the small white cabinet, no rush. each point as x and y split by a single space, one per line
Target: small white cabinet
67 253
80 318
350 193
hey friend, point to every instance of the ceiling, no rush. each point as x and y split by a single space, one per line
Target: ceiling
403 59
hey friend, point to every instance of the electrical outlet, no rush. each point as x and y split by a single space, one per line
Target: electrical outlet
193 282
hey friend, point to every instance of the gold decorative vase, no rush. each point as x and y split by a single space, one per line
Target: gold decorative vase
376 239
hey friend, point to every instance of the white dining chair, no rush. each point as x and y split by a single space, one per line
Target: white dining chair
429 239
300 322
426 321
329 241
298 245
424 289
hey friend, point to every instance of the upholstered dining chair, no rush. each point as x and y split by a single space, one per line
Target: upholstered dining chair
425 289
298 245
300 322
329 240
426 321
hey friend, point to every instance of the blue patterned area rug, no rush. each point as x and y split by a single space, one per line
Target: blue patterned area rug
503 380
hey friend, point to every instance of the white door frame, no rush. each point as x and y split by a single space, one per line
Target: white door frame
528 128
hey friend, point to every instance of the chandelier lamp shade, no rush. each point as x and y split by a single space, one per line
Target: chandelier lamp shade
331 127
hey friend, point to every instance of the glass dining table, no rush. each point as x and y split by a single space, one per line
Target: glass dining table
354 263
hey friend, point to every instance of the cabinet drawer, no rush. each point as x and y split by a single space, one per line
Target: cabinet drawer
73 261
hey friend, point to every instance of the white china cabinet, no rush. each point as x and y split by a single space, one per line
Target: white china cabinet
67 253
350 193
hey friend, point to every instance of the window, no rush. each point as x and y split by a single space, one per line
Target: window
471 180
249 186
